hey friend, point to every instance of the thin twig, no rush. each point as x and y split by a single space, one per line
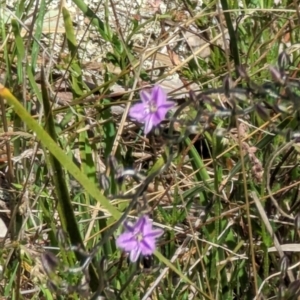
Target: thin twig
268 176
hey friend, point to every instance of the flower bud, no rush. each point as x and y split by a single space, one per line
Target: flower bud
294 289
284 264
297 222
243 73
104 181
113 162
283 61
276 75
281 292
49 262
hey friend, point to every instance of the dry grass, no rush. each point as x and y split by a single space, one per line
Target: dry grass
220 176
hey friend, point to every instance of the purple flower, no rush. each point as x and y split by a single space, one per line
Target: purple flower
153 108
139 238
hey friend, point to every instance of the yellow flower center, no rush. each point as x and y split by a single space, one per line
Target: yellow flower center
139 236
151 107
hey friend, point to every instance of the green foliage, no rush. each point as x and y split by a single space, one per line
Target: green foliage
60 126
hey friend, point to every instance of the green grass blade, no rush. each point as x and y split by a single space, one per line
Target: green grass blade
64 159
37 34
19 48
64 205
103 29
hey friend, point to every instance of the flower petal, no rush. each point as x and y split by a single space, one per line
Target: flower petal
155 119
126 241
137 112
148 230
153 233
162 110
147 246
158 95
147 220
147 227
140 223
145 96
167 105
134 254
148 123
128 226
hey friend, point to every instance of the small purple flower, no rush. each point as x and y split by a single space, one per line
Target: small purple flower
139 238
153 108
